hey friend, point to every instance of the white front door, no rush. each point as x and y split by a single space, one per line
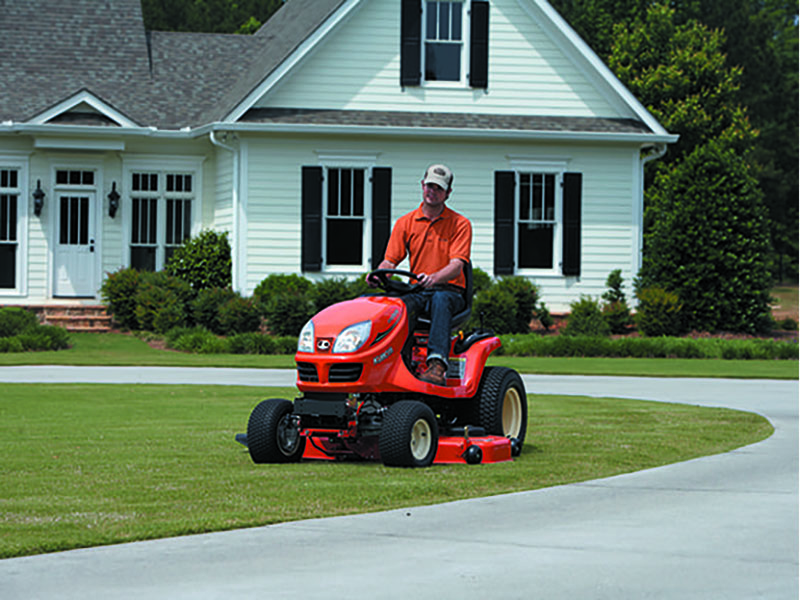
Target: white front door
75 254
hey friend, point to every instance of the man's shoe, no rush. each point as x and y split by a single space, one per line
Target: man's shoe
434 373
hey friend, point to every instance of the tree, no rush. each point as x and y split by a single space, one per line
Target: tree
208 16
708 242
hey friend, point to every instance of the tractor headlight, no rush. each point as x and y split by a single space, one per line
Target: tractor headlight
352 338
305 343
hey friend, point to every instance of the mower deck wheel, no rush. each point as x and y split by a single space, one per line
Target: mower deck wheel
502 403
272 436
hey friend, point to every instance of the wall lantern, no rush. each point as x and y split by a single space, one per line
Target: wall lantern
113 200
38 198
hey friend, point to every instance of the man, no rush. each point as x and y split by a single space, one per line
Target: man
437 241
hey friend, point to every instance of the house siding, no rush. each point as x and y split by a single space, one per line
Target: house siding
529 73
274 211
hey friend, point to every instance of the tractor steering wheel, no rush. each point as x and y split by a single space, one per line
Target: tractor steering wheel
390 285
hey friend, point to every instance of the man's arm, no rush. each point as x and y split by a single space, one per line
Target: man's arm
385 264
443 275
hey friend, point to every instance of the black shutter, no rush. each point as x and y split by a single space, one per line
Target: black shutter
571 259
410 42
381 212
479 45
311 258
504 182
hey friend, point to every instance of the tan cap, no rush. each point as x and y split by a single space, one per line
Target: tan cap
440 175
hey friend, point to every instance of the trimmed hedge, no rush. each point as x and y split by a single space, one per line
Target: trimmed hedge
202 341
647 347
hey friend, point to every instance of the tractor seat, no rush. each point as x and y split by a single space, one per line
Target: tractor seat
461 317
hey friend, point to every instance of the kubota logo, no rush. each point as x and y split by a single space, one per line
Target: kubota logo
323 345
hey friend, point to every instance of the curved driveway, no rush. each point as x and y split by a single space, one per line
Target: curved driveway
723 526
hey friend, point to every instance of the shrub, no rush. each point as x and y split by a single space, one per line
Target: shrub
788 324
493 309
481 280
119 294
53 338
285 345
659 313
10 344
542 314
287 313
616 311
239 315
586 319
203 261
251 343
278 284
525 296
206 307
15 320
154 297
330 291
708 241
194 340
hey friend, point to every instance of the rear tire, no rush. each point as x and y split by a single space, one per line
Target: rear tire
409 435
272 437
502 403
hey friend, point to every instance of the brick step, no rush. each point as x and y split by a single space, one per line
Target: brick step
76 318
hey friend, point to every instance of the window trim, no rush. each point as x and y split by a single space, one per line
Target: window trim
20 163
163 165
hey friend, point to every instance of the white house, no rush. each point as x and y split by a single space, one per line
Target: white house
308 139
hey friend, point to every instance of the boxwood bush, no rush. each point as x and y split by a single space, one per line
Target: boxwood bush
20 331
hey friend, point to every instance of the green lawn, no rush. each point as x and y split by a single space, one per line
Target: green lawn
86 465
120 349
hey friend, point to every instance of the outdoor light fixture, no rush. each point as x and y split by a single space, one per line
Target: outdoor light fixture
113 200
38 198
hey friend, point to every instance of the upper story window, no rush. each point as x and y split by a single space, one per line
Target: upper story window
444 41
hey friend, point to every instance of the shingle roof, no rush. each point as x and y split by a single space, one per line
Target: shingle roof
51 49
366 118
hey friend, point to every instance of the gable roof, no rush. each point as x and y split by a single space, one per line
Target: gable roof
55 51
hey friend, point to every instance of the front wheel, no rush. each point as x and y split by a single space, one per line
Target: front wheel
272 435
503 404
409 435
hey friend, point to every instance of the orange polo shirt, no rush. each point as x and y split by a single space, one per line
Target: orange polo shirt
430 245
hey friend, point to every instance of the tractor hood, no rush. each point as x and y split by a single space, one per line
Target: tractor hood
383 314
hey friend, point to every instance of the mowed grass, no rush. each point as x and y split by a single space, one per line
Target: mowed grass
111 349
86 465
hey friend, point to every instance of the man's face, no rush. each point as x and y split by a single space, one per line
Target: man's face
434 195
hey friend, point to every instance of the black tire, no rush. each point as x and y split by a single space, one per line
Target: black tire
271 435
409 435
502 403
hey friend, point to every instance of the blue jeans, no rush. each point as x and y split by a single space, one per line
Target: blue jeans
439 306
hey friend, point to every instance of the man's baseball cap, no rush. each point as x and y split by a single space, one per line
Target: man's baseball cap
440 175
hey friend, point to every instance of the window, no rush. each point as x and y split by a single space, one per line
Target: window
537 222
345 222
444 41
9 209
161 216
345 217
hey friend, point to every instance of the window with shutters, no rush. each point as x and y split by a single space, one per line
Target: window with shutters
444 42
9 225
162 206
537 222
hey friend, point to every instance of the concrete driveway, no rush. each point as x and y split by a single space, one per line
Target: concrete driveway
724 526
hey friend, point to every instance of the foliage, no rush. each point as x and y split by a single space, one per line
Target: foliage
327 292
586 318
208 16
205 307
481 280
161 302
239 315
203 261
119 294
708 242
15 320
20 331
491 310
648 347
616 311
525 294
278 283
659 312
287 313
